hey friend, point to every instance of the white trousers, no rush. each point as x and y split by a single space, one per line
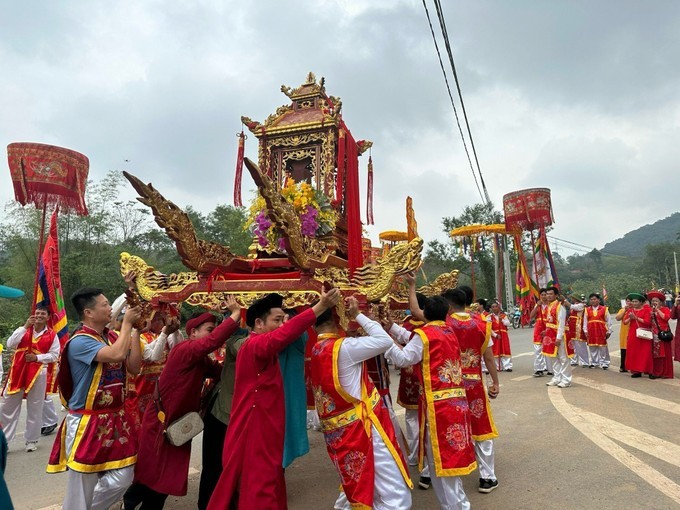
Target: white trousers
561 365
49 414
412 433
503 363
599 355
484 452
11 408
539 359
581 353
448 489
399 434
391 491
93 491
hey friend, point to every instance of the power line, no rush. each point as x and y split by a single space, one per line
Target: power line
453 105
445 35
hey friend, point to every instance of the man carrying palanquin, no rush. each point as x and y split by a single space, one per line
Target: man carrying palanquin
446 436
96 441
360 436
253 447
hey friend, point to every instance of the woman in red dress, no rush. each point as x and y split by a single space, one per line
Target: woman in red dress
639 351
661 351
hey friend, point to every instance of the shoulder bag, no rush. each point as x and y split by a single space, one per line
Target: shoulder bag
664 335
183 429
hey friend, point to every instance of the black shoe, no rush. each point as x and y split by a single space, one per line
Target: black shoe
538 373
46 431
550 373
605 368
635 375
486 485
508 369
653 376
623 370
424 483
591 366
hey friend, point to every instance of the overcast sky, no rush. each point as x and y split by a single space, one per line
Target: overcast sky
581 97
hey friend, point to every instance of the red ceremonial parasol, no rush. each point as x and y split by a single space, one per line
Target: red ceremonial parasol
48 175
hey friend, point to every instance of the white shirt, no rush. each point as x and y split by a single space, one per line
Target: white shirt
49 357
153 351
355 350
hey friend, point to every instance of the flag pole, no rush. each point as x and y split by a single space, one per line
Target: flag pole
41 239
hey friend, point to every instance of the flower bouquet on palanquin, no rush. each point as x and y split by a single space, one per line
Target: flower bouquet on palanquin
317 216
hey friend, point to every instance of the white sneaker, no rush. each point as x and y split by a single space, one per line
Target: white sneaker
563 385
551 383
31 446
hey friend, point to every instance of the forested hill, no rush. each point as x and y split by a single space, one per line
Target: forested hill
634 242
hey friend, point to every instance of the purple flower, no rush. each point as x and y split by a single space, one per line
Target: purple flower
281 244
309 225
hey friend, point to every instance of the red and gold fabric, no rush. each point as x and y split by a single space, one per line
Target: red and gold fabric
347 424
539 325
597 325
550 320
472 347
409 379
501 343
23 374
443 401
145 382
104 437
574 329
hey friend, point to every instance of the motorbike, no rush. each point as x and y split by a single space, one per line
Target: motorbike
517 318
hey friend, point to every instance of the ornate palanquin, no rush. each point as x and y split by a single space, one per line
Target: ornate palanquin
306 141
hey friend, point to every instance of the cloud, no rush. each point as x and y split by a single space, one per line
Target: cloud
581 97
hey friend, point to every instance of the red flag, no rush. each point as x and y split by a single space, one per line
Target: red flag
49 292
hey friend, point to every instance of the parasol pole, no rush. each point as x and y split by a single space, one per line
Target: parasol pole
533 251
472 269
41 238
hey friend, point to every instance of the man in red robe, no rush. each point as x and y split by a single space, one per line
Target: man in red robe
253 447
163 468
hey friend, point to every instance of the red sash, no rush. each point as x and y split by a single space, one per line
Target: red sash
597 326
105 438
346 423
409 381
23 374
550 320
472 345
444 402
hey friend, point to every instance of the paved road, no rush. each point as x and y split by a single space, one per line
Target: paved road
608 442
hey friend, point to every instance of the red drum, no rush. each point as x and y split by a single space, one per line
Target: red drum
528 209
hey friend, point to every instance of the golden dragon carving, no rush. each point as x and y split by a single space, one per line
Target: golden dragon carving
376 280
197 254
440 284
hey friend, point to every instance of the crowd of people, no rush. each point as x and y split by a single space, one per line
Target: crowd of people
128 390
